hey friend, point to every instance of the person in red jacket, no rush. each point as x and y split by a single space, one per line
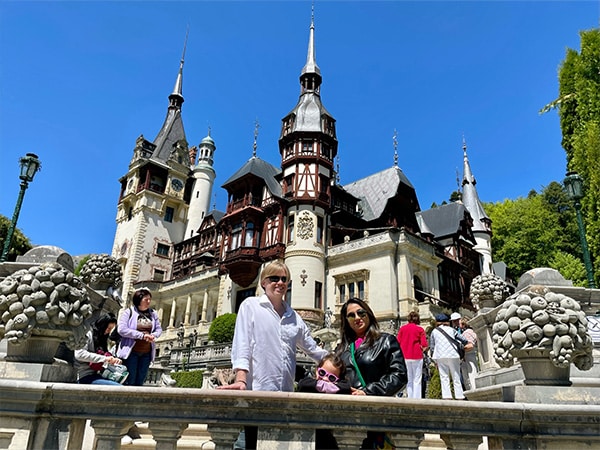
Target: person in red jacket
413 342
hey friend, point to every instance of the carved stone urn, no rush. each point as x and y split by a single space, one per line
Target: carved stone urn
41 307
545 332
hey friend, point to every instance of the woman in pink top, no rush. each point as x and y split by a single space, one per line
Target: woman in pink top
413 342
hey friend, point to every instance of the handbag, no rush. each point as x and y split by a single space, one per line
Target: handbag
115 372
458 345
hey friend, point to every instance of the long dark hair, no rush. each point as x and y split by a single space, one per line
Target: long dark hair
347 333
139 295
99 331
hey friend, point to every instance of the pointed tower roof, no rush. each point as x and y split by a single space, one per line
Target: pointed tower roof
311 58
481 221
172 130
309 109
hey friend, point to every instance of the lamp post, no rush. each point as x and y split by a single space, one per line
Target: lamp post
30 164
574 186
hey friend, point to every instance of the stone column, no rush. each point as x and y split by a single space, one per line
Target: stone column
166 434
223 435
465 442
349 439
407 441
109 433
188 309
284 437
76 433
172 317
204 305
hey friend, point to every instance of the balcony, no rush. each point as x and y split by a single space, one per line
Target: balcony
53 415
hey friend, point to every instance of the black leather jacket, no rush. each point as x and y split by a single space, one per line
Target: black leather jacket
381 365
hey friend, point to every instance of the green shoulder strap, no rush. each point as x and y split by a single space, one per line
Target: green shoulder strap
360 377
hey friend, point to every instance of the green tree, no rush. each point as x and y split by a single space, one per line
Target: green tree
537 231
578 106
221 329
20 243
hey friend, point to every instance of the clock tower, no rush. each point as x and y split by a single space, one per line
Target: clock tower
308 146
154 201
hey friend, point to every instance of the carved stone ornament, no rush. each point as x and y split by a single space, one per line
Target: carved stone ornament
305 226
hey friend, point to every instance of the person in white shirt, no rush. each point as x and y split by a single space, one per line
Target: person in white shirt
267 334
446 356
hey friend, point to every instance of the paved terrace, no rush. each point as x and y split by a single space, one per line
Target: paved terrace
36 415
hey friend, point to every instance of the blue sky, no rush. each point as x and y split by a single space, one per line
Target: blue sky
80 81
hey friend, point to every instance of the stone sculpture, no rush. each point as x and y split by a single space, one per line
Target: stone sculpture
45 300
538 321
488 291
101 272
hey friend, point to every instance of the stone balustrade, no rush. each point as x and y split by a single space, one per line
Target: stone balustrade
38 415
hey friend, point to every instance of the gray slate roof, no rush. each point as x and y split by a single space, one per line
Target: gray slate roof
375 190
170 132
260 169
444 220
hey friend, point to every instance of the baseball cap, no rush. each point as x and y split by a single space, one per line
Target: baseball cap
455 316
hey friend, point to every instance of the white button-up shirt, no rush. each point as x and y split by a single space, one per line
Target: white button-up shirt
265 344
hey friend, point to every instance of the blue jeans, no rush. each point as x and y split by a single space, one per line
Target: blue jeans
137 364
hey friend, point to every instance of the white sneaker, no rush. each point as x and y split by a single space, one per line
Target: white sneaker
126 440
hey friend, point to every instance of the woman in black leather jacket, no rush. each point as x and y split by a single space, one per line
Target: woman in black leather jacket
381 368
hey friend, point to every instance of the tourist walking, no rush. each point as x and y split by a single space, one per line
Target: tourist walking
413 342
446 356
374 361
267 334
469 366
139 327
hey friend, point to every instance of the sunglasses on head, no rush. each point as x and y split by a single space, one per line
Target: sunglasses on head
360 313
323 373
276 279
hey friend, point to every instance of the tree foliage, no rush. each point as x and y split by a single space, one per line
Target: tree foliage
537 231
221 329
20 243
579 111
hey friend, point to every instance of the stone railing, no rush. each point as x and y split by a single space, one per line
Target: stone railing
53 415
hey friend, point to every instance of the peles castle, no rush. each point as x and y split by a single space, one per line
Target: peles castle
367 239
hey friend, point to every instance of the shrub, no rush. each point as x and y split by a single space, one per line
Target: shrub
188 379
221 329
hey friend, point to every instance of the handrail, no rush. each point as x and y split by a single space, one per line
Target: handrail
286 416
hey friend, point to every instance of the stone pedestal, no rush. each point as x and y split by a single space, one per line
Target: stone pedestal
539 369
36 349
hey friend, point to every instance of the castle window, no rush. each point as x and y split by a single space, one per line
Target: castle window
291 228
169 213
162 250
319 230
307 147
318 295
236 236
249 237
159 275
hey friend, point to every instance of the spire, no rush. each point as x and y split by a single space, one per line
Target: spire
481 221
311 57
254 146
310 77
395 141
176 97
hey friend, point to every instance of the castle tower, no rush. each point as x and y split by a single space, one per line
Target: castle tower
153 204
308 146
203 180
482 224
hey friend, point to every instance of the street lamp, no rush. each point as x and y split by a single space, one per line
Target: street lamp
30 164
574 186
